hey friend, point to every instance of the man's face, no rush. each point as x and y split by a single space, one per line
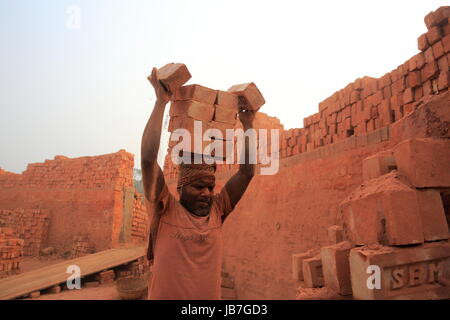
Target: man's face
196 197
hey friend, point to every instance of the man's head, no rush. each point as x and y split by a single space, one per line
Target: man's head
196 184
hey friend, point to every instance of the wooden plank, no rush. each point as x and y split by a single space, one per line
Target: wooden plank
43 278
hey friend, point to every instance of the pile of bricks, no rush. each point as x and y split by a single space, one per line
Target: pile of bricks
140 223
105 277
85 172
395 221
81 247
11 252
31 225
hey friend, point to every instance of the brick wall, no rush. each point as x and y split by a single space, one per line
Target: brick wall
81 196
11 251
140 222
31 225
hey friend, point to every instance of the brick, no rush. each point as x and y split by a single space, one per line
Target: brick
335 234
91 284
422 170
312 272
438 17
433 35
429 71
224 114
385 111
173 76
228 99
195 92
446 43
428 55
413 79
438 50
336 267
432 212
375 213
408 95
420 60
297 265
193 109
378 165
35 294
443 64
251 94
443 81
417 272
54 289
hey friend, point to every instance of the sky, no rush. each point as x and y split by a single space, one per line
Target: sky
73 74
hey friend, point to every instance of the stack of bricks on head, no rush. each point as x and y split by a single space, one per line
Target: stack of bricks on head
394 239
216 109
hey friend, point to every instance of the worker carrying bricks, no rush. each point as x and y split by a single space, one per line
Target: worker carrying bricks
185 242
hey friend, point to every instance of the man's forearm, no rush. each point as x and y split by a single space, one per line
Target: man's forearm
152 134
246 167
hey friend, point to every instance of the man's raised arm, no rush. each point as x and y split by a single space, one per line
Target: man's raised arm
238 183
152 175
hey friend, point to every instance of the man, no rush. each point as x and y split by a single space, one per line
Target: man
187 251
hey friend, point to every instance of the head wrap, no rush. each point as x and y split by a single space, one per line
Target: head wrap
188 173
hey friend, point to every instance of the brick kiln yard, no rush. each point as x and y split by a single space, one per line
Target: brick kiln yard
365 182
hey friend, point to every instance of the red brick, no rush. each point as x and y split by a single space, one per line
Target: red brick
227 99
335 234
312 272
196 92
376 211
251 94
438 50
429 71
406 273
173 76
297 264
418 93
443 81
420 60
446 43
432 212
433 35
408 108
443 64
224 114
428 55
422 170
385 112
438 17
336 267
408 95
378 165
194 109
413 79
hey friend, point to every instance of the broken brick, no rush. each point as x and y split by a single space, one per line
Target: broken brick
336 267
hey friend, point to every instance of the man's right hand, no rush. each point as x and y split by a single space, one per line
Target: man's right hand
161 94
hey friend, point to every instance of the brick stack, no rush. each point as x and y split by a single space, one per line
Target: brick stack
400 205
31 225
11 252
105 277
81 247
98 172
139 223
369 104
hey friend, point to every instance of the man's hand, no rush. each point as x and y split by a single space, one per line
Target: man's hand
161 94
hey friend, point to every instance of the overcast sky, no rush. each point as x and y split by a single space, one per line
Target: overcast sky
83 91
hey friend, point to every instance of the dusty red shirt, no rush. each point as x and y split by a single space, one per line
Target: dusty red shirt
188 251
